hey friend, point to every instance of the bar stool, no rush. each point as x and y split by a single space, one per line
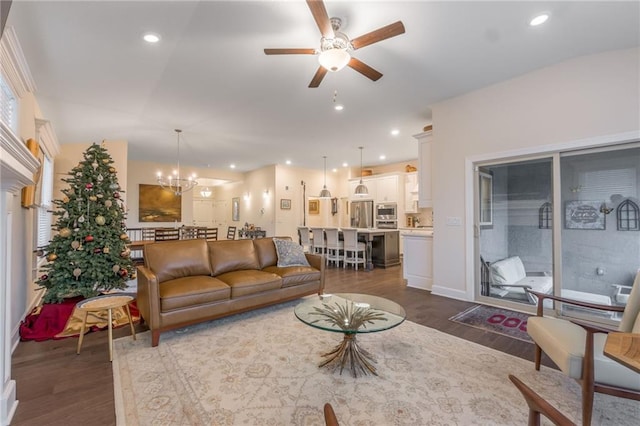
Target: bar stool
334 246
319 246
353 248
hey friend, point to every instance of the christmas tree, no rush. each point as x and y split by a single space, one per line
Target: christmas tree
88 254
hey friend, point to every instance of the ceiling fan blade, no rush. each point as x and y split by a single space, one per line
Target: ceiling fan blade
317 79
289 51
319 13
380 34
364 69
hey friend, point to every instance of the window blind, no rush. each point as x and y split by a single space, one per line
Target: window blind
44 209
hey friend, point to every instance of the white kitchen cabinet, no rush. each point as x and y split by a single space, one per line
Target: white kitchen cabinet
387 190
411 192
417 258
424 168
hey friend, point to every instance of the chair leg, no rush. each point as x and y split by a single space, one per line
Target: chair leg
538 357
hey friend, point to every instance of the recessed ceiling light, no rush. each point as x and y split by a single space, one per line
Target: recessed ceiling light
539 20
233 166
334 170
338 107
395 132
288 162
383 157
345 164
151 38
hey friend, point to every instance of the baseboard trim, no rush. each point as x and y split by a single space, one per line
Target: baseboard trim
8 403
15 333
450 293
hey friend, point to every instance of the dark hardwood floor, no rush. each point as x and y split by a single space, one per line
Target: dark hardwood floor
57 387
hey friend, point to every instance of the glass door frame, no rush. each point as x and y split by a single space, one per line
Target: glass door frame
555 155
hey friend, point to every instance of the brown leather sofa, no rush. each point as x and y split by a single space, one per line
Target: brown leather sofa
189 281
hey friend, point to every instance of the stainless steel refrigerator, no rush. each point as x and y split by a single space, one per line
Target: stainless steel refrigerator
362 214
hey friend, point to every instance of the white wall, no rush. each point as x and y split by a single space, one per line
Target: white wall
588 97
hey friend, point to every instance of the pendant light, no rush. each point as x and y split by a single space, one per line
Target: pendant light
361 189
325 192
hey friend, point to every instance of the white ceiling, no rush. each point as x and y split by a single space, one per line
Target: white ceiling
96 79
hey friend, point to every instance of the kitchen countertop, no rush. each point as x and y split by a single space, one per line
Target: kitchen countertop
417 232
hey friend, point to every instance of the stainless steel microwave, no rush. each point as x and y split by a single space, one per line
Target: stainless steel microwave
387 211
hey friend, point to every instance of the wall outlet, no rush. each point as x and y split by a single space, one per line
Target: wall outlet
453 221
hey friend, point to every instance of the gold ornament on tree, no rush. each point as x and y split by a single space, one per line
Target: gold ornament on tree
100 220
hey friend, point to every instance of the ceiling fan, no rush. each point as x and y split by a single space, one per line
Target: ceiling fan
335 45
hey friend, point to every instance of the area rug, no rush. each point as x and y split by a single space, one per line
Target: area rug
496 320
261 368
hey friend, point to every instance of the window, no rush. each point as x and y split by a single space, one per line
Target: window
8 106
45 205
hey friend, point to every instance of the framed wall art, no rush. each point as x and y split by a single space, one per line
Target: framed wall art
314 206
156 204
584 215
285 204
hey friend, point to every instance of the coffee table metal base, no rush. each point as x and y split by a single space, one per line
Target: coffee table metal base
348 352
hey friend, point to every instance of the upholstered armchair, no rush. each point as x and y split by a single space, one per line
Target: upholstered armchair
577 349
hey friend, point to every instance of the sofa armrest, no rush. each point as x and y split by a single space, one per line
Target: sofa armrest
317 261
148 300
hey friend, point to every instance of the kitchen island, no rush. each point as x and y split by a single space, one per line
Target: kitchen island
383 247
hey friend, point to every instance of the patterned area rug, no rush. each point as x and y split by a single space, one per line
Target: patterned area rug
261 368
497 320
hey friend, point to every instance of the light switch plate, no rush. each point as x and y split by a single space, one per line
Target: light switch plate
453 221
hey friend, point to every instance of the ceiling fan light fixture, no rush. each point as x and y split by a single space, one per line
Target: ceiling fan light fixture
334 59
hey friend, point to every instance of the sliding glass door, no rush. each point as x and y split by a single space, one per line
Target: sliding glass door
601 234
514 229
581 243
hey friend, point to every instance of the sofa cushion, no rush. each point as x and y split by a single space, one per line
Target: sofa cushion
266 250
290 253
250 281
192 291
294 275
507 271
232 255
177 259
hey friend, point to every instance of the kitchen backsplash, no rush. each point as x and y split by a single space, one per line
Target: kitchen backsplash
424 217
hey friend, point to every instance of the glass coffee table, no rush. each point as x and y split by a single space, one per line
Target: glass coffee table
350 314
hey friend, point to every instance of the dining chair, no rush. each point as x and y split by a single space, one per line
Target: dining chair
188 233
353 248
209 234
305 238
319 246
167 234
538 405
231 233
334 247
577 348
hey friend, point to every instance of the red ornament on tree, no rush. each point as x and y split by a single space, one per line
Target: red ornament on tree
123 272
97 250
116 195
89 185
88 238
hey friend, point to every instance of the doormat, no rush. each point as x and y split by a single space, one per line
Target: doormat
496 320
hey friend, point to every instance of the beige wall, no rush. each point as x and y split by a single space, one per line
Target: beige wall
570 103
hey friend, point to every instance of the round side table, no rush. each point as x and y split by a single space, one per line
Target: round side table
107 302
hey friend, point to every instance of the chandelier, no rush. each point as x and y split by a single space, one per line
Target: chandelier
174 182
